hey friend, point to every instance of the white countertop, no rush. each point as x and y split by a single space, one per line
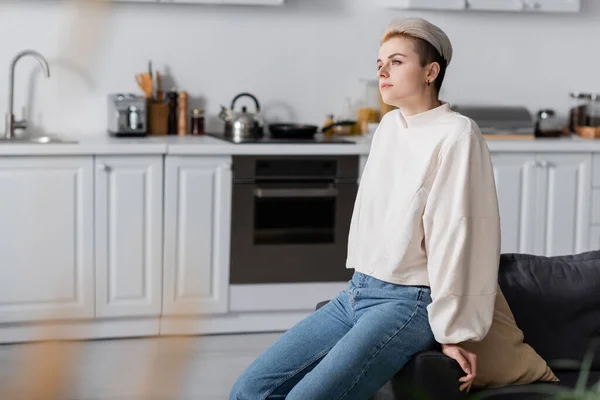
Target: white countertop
207 145
190 145
100 144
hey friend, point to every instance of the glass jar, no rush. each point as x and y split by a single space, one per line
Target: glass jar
578 109
593 110
197 122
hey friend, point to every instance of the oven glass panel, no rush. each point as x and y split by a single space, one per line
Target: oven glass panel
294 220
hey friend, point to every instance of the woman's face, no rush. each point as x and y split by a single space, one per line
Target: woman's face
402 79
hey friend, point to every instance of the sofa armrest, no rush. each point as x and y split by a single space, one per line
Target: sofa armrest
321 304
428 375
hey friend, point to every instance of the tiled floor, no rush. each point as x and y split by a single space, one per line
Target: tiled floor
167 368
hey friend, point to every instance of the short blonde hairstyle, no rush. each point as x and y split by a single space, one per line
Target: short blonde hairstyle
431 43
421 29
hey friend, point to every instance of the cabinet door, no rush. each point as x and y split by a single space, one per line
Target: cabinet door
516 176
128 235
596 170
595 238
425 4
197 229
563 214
525 5
229 2
495 5
552 5
46 238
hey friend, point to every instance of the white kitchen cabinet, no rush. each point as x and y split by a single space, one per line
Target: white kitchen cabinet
129 207
229 2
596 206
524 5
124 1
425 4
218 2
595 238
596 170
197 234
487 5
46 238
495 5
563 211
544 202
516 176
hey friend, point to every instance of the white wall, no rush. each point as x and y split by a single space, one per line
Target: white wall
301 60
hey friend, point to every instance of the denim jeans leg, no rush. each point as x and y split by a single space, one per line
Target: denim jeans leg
391 327
279 368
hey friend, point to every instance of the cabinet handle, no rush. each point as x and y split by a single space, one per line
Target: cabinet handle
546 164
283 193
103 167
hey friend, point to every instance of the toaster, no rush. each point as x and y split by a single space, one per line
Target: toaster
127 115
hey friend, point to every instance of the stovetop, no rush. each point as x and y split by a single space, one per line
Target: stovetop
317 139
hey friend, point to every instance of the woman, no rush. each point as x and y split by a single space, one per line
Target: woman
424 243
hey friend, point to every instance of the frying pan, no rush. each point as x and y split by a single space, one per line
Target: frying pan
292 131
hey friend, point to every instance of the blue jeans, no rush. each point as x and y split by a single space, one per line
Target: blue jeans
347 349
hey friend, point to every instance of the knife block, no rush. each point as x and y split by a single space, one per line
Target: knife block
158 118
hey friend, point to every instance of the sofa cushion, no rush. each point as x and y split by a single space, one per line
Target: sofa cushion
502 357
555 301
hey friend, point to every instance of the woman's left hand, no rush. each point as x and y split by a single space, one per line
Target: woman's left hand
466 360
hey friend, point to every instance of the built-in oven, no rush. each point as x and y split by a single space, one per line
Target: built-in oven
290 219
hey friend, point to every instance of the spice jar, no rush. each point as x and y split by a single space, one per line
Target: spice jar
578 110
593 110
197 122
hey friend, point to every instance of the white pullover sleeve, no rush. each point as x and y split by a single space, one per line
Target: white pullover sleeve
462 239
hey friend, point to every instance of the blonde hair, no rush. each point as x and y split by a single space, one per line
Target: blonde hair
420 28
431 43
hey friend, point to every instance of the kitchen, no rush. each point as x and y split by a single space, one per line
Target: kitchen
122 270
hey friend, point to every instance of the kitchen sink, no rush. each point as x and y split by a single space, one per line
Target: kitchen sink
42 139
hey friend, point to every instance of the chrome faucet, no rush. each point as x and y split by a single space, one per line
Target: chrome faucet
11 122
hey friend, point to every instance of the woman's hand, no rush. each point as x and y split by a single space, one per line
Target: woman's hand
466 360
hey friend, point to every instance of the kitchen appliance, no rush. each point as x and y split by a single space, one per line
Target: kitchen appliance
127 115
343 127
241 125
292 131
268 139
548 124
291 217
496 120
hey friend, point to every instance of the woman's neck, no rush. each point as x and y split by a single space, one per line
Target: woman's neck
422 105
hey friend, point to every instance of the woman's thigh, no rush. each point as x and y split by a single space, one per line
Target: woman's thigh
279 368
388 332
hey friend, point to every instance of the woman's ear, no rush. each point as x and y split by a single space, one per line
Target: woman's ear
433 70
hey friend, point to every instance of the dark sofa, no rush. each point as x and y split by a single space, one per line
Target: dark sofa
555 301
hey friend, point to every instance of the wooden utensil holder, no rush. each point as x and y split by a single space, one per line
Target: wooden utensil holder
590 132
158 118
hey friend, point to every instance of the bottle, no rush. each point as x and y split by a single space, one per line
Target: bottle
172 118
197 123
182 121
330 121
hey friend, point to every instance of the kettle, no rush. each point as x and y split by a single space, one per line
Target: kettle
242 124
547 124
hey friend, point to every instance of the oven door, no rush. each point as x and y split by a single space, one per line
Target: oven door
290 232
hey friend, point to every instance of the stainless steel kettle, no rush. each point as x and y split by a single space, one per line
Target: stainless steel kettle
242 124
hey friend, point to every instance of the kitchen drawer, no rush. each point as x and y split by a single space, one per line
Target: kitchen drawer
596 206
596 170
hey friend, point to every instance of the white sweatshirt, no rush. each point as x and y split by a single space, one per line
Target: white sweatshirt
426 214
